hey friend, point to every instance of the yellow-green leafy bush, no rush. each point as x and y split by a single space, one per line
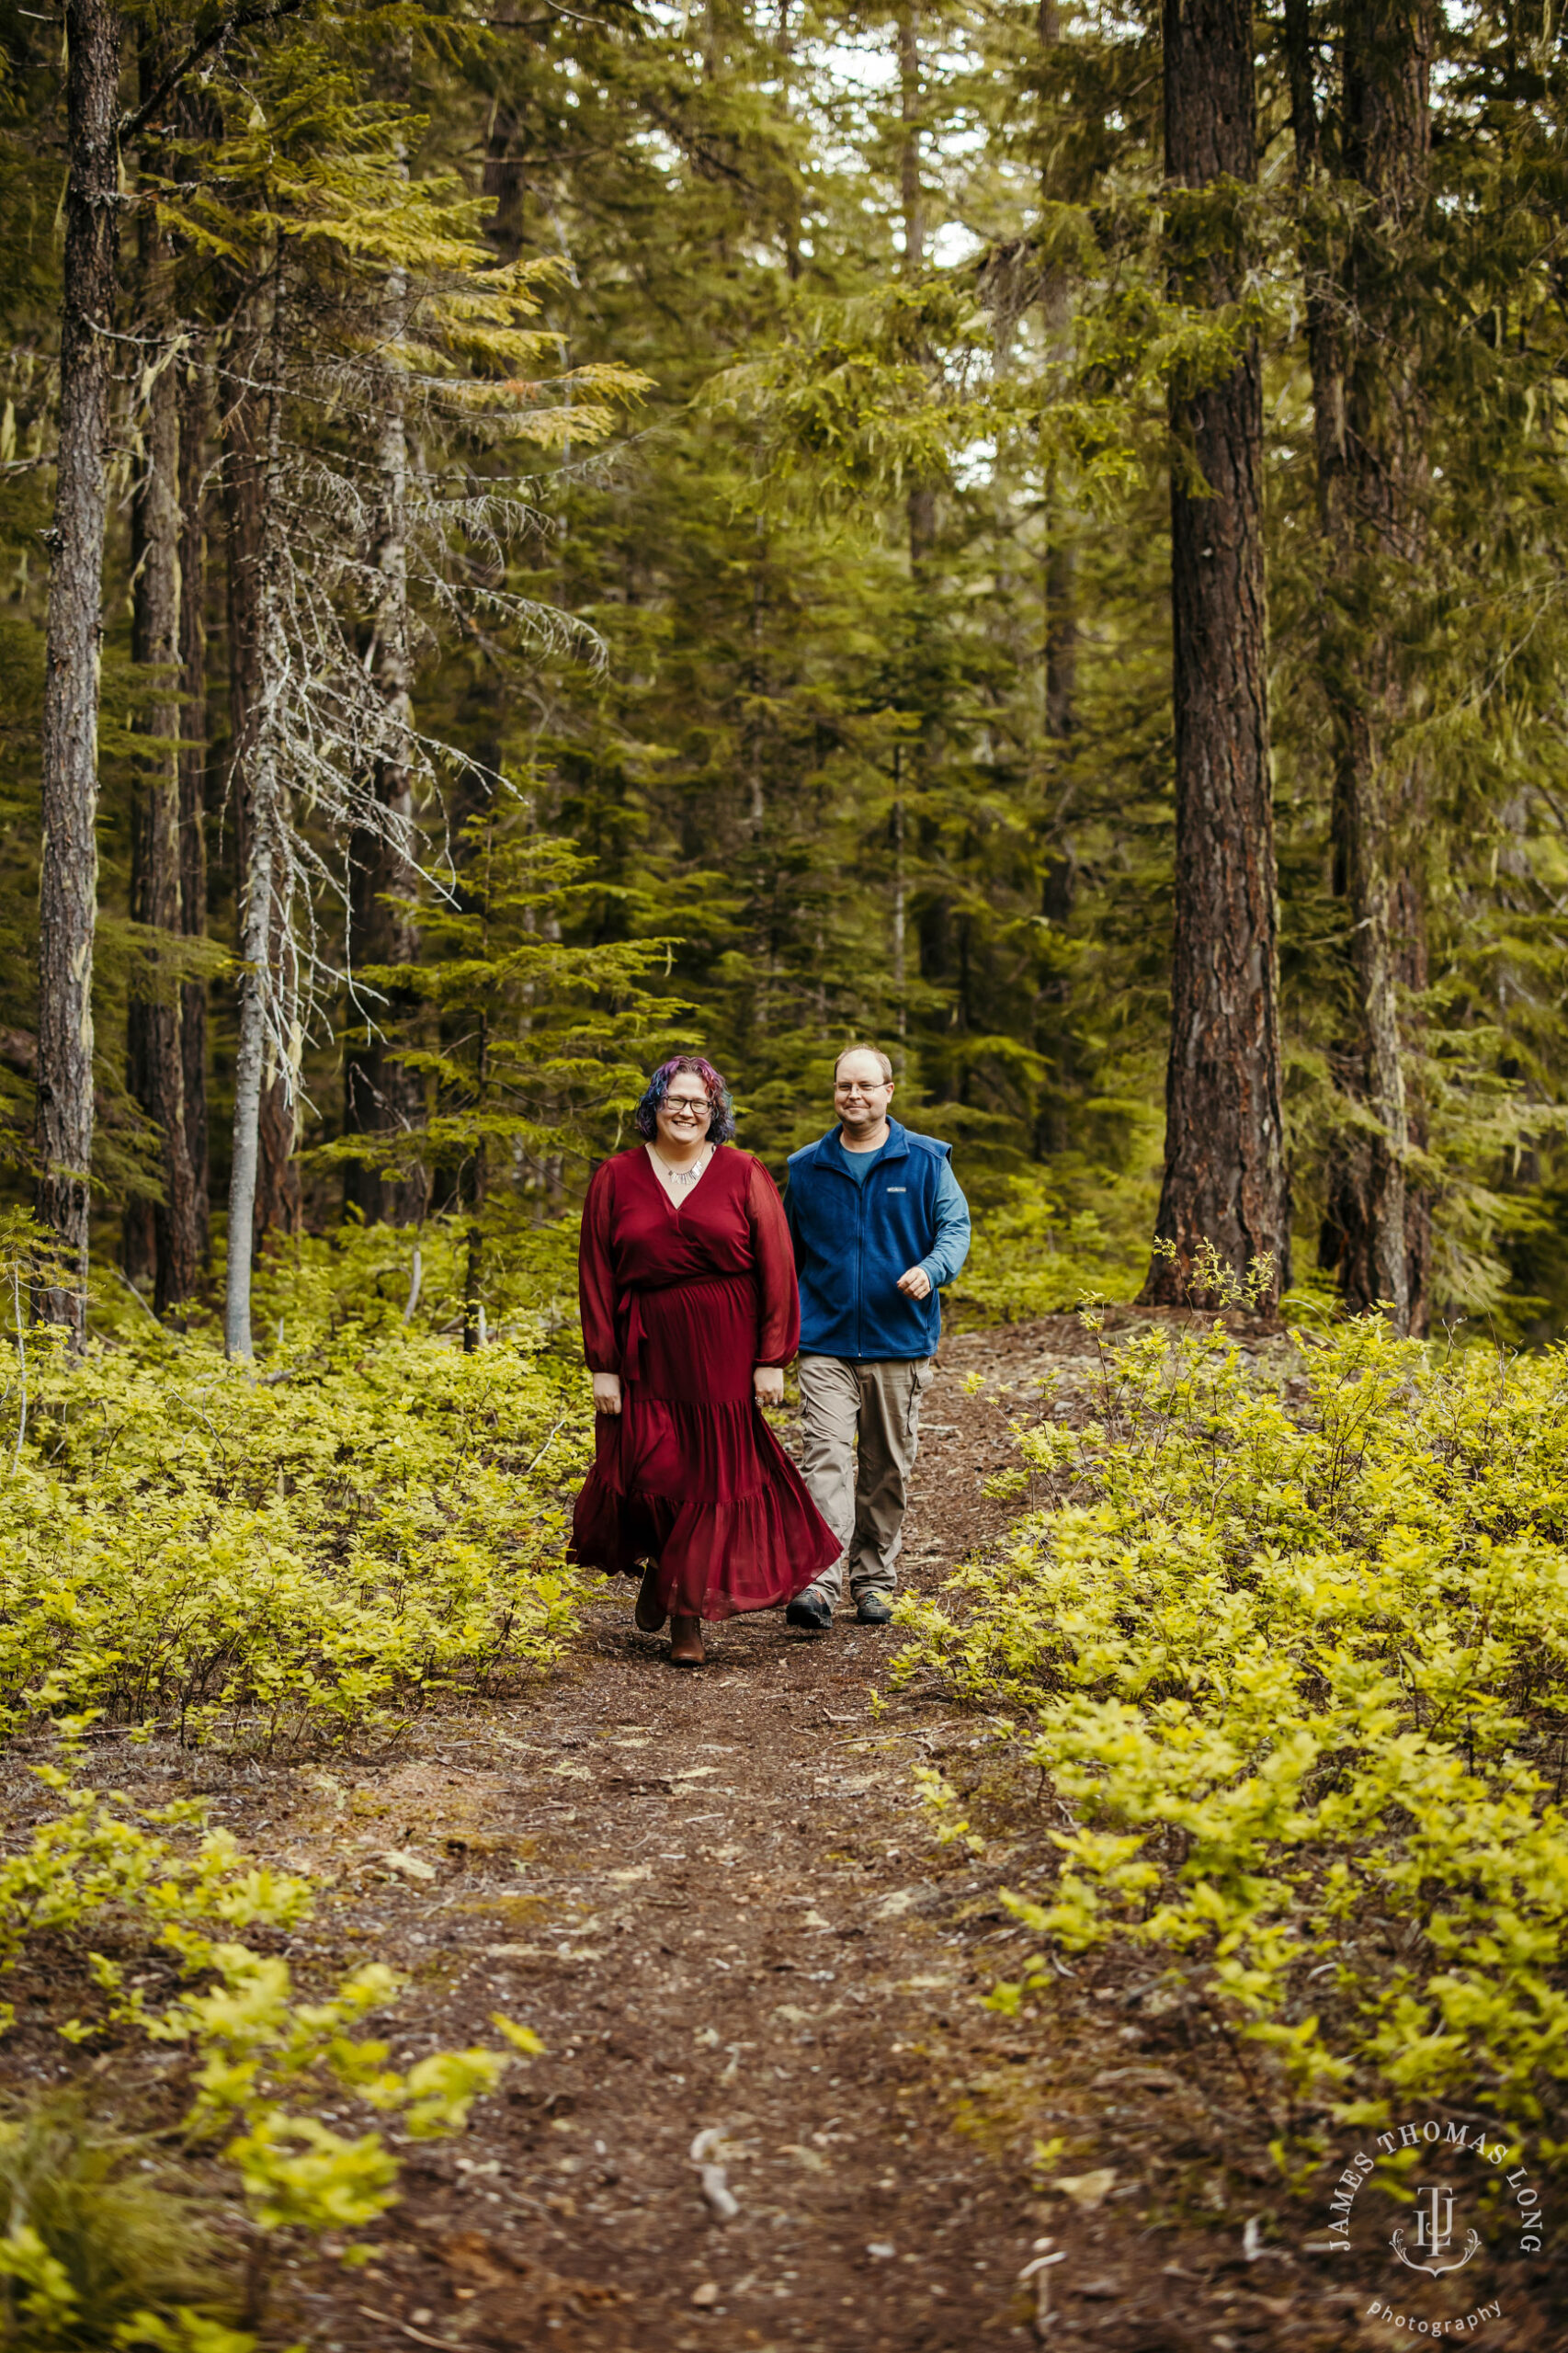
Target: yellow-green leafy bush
268 2062
264 2062
296 1546
100 1857
1293 1653
1036 1250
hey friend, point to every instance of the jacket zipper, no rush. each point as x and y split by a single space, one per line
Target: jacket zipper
861 1266
861 1190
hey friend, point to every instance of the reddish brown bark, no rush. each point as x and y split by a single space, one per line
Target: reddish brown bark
1225 1178
1060 584
1371 471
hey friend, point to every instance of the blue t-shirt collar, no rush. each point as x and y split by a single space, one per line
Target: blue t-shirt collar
831 1152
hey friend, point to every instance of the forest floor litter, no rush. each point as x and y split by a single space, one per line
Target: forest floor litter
772 2110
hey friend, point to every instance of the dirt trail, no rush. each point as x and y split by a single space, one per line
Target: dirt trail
718 1900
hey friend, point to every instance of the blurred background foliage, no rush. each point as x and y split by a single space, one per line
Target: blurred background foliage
815 683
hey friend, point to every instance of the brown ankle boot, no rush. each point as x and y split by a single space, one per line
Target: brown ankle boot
650 1613
686 1642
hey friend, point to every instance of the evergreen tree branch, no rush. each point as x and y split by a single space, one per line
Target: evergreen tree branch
239 20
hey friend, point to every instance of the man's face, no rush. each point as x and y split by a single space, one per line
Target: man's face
860 1093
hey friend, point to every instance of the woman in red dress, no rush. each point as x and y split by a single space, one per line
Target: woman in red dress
691 1312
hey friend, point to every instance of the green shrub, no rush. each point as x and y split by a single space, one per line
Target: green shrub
1294 1653
284 1553
1054 1237
292 1551
263 2063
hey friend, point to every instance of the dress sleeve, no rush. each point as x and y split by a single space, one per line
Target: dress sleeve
596 1277
778 1293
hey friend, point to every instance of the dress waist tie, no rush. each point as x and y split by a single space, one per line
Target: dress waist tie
631 1353
629 1307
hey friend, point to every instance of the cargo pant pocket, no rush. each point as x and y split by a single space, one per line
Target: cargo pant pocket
922 1371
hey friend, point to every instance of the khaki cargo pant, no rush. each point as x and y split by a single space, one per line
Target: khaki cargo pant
861 1490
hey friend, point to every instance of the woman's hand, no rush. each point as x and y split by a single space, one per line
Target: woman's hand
767 1384
607 1392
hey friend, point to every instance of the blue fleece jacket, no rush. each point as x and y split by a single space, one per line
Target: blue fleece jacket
853 1239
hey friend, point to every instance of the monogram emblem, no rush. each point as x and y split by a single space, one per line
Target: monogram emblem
1434 2234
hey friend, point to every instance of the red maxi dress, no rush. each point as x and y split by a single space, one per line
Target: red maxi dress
683 1303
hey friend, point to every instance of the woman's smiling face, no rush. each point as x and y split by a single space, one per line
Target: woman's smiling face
685 1114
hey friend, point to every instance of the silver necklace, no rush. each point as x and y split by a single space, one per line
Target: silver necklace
681 1176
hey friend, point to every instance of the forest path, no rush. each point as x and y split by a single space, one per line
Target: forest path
718 1900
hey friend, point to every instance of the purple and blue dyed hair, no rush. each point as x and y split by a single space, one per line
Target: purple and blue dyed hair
721 1127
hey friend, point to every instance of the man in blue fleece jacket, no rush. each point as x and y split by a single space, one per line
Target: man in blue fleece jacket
879 1225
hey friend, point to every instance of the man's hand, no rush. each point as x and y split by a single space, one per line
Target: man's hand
767 1384
607 1392
915 1282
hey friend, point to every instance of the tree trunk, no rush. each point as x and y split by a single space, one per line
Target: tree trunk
752 724
900 914
1370 470
379 1095
193 421
920 506
473 1303
1061 582
159 1238
784 44
250 429
1061 626
69 870
261 1063
243 434
1225 1180
278 1206
921 501
258 882
1053 1035
474 1278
